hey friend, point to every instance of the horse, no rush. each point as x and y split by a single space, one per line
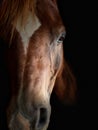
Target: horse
34 32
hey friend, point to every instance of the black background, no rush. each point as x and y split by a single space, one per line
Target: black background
80 20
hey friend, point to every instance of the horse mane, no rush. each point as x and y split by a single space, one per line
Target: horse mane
11 11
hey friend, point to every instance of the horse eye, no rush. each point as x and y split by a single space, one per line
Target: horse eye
61 38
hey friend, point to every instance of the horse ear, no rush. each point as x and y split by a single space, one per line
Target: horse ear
65 85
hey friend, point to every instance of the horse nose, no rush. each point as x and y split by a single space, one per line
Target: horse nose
37 113
39 121
42 118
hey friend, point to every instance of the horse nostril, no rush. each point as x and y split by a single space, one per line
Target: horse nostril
43 117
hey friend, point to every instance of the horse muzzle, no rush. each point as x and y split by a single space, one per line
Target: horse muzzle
38 120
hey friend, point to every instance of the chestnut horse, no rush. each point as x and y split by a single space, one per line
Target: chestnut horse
34 33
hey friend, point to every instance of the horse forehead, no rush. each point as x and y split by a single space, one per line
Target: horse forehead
26 31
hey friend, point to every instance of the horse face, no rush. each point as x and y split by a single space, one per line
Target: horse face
35 58
36 66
